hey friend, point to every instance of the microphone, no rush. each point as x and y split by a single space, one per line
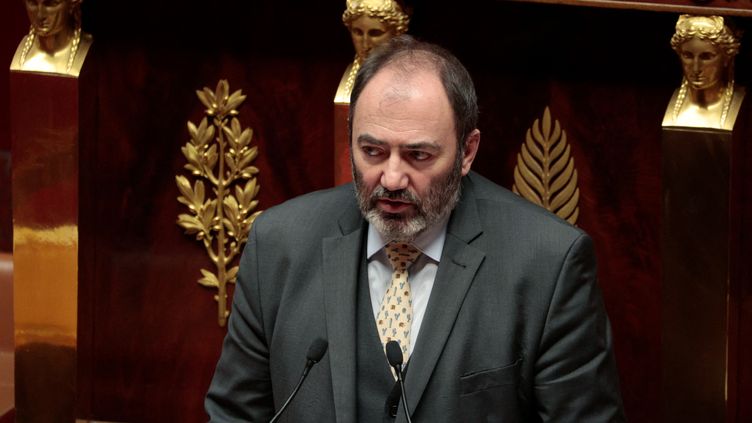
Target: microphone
315 352
394 356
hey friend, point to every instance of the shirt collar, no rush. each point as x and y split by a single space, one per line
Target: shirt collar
430 242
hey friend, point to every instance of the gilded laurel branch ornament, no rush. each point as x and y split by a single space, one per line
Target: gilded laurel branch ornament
545 172
219 154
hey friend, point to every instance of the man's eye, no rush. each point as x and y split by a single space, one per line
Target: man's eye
371 151
707 56
375 33
420 155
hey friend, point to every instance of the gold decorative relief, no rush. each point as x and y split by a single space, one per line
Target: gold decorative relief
545 172
219 155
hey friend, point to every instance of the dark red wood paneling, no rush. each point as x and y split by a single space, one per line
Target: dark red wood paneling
13 26
741 299
154 337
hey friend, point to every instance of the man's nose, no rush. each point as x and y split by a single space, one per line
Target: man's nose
394 176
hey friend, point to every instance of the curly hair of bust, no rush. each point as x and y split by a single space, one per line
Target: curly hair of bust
387 12
709 28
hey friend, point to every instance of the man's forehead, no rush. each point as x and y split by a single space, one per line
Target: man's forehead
401 81
403 102
407 65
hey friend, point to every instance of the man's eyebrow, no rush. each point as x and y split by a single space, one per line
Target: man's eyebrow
420 145
369 139
423 145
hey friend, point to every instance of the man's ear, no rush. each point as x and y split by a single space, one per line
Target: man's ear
471 149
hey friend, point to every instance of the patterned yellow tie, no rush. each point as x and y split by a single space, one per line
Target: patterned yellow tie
396 313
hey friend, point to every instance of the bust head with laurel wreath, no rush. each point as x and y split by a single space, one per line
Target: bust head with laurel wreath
706 47
54 39
373 22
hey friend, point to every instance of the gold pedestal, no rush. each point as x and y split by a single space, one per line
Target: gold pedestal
45 133
698 253
342 172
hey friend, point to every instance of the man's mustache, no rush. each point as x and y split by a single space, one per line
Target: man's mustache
402 194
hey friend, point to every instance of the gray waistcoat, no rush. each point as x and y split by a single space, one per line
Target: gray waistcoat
374 382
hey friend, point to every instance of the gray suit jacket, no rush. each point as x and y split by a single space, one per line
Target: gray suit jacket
515 329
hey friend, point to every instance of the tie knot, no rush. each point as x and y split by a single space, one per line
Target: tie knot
401 254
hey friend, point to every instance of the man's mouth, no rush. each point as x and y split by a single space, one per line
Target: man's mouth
393 206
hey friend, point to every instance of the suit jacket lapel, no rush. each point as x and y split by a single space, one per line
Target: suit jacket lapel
458 266
341 256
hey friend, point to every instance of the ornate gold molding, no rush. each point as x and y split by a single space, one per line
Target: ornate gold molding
545 172
221 156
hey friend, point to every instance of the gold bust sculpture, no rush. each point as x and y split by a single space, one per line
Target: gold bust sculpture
370 23
707 97
55 43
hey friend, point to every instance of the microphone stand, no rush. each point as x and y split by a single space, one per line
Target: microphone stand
315 352
394 356
307 368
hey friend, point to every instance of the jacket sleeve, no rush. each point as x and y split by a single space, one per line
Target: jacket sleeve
241 388
575 373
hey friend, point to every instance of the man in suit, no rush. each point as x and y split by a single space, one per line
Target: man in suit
506 319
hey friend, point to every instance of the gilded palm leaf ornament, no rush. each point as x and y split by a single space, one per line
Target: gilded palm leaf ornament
545 172
219 155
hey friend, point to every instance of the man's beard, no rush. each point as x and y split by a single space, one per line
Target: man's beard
443 194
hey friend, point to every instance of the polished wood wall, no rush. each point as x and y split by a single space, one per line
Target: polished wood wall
13 24
151 338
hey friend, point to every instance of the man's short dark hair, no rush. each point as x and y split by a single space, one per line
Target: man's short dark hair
456 80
